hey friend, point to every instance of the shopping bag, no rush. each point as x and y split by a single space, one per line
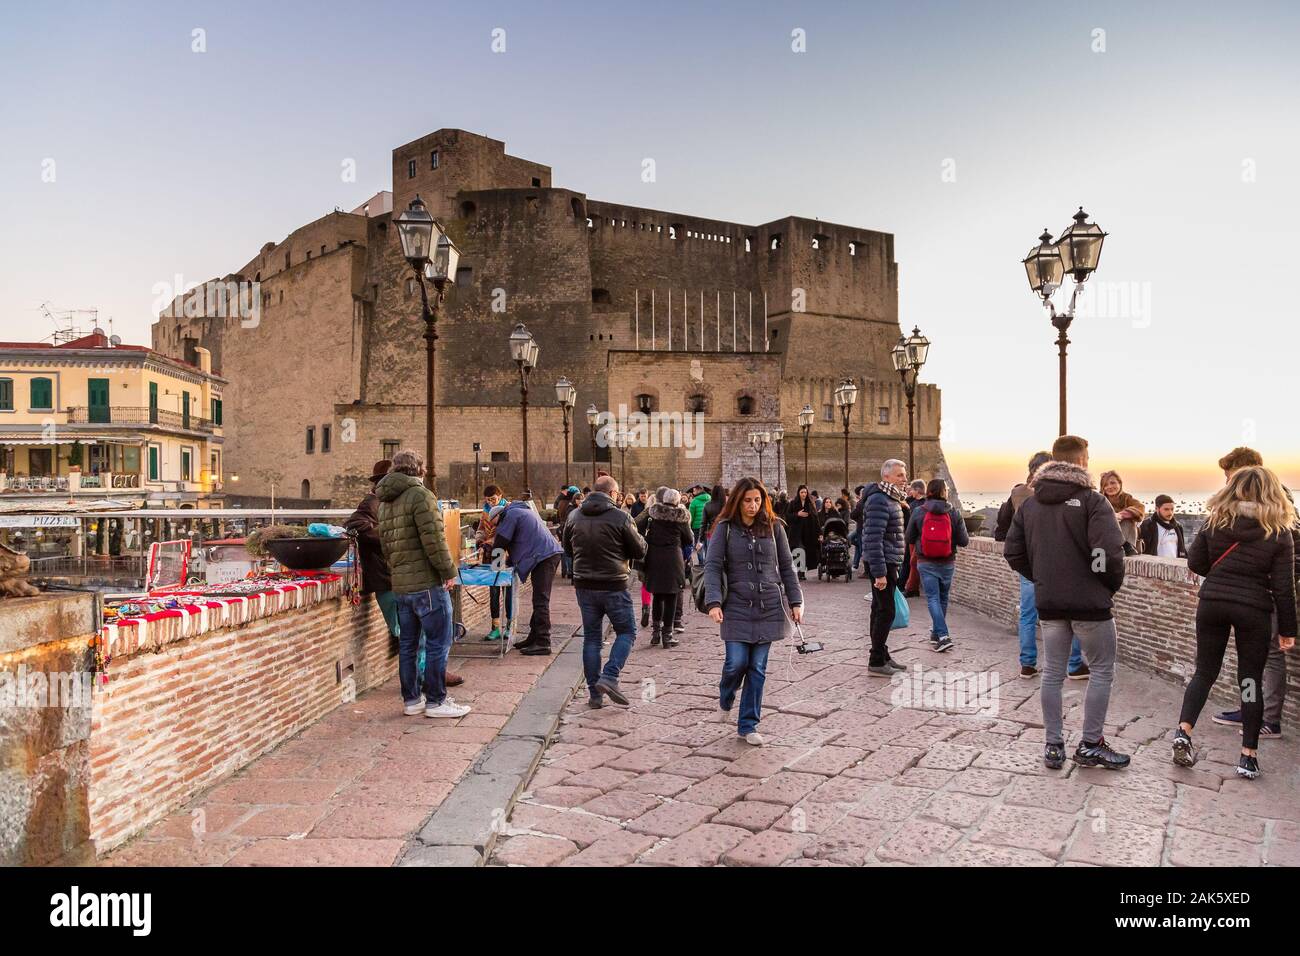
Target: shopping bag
902 613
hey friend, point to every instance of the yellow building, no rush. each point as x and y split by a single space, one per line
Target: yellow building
95 417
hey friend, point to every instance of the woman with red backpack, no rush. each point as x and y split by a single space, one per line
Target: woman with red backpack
935 532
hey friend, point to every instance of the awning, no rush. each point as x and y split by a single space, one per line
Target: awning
36 438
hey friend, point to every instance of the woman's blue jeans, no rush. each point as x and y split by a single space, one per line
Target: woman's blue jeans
745 664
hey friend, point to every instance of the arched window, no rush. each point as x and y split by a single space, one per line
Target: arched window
467 209
306 488
600 297
745 404
697 404
645 403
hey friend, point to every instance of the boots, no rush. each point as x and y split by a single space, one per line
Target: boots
655 636
645 615
668 640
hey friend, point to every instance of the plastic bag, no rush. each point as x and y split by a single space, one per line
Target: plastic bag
902 613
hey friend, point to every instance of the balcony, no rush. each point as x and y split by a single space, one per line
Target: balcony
135 415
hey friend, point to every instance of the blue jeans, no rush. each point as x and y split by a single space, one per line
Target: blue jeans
430 612
595 607
1029 630
856 538
936 582
745 663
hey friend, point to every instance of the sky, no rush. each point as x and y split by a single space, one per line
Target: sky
145 141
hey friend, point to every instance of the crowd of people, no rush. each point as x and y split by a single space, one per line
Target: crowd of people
741 556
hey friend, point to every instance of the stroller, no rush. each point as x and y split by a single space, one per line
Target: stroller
836 556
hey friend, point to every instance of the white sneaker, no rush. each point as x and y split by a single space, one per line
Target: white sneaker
754 738
448 708
723 716
414 709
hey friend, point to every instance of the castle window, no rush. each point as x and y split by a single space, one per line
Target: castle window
282 297
531 203
287 259
821 241
600 297
467 209
853 248
500 456
645 403
576 206
744 404
325 436
311 439
882 416
464 276
433 159
387 449
748 243
410 169
537 183
305 488
828 413
774 241
674 229
590 224
697 404
322 250
308 253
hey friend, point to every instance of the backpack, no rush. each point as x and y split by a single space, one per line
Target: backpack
936 535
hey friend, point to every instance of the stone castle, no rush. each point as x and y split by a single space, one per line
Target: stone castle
642 309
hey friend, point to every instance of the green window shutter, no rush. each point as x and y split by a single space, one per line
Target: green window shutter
6 394
153 462
42 393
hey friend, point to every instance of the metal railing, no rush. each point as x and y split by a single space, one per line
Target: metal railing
136 415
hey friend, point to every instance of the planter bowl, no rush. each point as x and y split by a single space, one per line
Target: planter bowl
307 554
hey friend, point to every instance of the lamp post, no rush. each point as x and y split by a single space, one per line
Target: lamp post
758 441
806 415
845 397
478 447
593 416
621 442
1076 252
566 395
778 439
909 355
523 349
434 256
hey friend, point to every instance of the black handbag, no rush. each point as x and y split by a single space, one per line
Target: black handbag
697 576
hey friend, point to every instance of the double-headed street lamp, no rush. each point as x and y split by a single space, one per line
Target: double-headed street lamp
846 394
432 256
566 395
909 355
759 441
806 415
593 418
523 349
1076 253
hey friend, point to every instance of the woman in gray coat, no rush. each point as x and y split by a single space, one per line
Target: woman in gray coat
750 552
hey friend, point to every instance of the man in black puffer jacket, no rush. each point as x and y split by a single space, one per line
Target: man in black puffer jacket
601 538
1065 539
882 550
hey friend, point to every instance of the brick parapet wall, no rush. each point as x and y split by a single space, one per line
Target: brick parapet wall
1155 616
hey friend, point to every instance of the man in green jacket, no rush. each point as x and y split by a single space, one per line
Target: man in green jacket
702 498
415 547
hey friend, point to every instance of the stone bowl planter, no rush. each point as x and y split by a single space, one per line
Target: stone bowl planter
307 554
974 522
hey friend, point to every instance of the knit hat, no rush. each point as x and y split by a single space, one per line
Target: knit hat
668 496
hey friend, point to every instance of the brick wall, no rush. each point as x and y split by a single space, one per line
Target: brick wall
181 712
1155 616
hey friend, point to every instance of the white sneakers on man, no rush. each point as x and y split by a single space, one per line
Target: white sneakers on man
754 738
415 708
448 708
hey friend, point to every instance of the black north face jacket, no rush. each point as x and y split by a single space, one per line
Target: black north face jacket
1066 539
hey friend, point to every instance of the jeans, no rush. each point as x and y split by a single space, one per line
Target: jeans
595 607
1098 640
882 616
566 566
745 664
1274 680
542 577
1029 630
936 582
1252 627
430 610
856 538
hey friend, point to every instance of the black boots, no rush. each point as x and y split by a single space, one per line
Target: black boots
655 636
645 615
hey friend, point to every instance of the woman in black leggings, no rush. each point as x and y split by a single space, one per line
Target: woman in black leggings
666 526
1247 556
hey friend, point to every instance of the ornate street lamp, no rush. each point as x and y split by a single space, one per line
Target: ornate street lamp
523 349
593 416
621 441
759 441
566 395
909 355
846 395
433 256
778 439
1076 252
806 415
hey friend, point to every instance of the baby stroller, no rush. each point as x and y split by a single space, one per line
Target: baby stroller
836 557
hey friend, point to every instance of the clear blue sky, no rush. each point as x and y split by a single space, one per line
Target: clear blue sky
169 161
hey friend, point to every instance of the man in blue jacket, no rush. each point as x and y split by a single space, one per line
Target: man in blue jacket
882 550
531 549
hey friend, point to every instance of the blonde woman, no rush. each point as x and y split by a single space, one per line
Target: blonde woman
1247 556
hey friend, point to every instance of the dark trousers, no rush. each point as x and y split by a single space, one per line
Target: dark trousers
542 577
494 602
1253 629
882 615
663 607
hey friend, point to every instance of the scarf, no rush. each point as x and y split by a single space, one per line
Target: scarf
894 491
1171 525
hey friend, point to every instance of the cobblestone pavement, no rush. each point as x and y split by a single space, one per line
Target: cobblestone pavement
857 770
354 788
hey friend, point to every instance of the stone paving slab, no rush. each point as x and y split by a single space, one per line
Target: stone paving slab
858 770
